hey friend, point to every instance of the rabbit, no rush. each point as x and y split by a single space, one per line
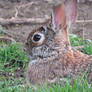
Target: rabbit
50 51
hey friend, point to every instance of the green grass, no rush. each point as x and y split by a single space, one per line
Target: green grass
75 40
87 44
12 58
76 86
87 47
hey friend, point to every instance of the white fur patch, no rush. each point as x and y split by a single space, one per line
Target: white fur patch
32 62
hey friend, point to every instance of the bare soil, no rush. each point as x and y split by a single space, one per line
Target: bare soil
40 9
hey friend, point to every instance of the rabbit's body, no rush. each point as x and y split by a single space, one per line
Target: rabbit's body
55 67
49 49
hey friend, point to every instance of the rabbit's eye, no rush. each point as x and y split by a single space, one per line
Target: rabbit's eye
38 38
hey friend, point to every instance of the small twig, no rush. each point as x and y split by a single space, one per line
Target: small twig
4 38
27 4
77 47
16 12
2 31
17 8
8 34
83 29
17 20
81 21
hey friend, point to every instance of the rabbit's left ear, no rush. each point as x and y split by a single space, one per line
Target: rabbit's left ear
58 17
64 14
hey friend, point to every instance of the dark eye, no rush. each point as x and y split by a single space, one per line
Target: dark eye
37 37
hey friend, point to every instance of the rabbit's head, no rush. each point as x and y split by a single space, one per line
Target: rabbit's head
52 38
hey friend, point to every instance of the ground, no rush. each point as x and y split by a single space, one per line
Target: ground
40 9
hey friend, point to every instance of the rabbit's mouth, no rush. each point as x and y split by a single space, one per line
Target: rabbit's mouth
43 52
43 57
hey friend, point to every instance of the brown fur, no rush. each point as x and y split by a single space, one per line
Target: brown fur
53 59
72 63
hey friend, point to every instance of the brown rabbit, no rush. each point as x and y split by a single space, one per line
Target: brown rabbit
49 48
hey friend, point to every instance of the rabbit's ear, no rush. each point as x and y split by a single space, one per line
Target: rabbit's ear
71 11
64 14
58 17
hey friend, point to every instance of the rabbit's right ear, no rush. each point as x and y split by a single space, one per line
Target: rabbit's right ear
71 11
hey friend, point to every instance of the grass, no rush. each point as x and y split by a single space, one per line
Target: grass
87 48
87 44
76 86
12 58
75 41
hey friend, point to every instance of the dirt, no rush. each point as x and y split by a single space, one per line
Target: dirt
40 9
